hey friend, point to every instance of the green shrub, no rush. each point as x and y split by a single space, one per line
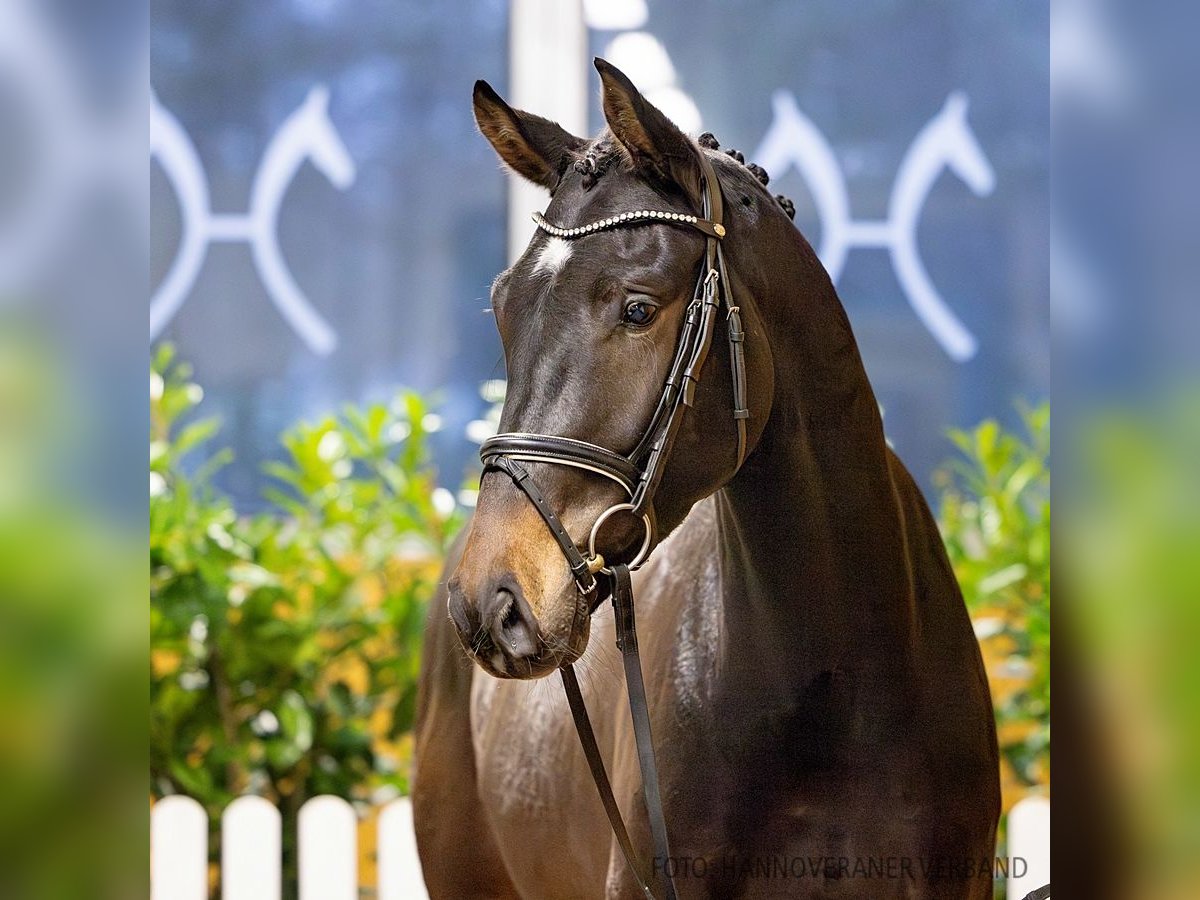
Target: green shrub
285 644
995 519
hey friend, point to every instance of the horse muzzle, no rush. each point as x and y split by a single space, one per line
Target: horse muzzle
516 607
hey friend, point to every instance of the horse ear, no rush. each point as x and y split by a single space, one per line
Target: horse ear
653 141
531 146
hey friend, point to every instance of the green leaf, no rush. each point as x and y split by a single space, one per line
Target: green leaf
296 721
194 434
1004 578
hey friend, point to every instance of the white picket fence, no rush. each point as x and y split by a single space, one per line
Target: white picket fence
251 841
1029 841
328 850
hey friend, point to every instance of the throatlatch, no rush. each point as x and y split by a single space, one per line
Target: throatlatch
639 474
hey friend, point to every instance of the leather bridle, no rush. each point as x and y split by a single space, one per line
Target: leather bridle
639 474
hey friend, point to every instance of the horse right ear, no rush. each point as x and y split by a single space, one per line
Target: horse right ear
531 146
652 140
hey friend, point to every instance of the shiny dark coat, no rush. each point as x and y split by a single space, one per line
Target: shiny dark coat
821 714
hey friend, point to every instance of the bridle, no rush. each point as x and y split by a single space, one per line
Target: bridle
639 474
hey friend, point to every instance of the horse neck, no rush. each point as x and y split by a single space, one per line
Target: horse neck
812 545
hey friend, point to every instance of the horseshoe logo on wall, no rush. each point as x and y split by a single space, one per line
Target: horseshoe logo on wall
945 142
307 133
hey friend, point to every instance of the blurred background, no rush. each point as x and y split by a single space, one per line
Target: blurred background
351 282
320 222
325 223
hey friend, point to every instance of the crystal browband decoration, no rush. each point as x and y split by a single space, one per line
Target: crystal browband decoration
640 215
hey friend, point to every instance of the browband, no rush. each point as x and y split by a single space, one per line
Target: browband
711 229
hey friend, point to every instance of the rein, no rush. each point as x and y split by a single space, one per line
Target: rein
639 474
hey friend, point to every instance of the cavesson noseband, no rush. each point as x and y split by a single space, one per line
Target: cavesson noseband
638 473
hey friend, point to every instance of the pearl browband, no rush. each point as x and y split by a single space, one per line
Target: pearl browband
712 229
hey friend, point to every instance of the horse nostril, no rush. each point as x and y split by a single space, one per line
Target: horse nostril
513 626
511 617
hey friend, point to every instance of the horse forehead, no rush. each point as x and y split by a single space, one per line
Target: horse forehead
587 266
552 256
616 191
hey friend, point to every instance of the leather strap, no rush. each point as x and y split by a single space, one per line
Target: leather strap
733 319
639 711
701 316
737 361
587 738
584 577
666 402
559 449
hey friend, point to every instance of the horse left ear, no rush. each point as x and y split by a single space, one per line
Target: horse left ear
533 147
653 141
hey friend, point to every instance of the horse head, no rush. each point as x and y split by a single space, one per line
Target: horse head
324 144
961 148
590 328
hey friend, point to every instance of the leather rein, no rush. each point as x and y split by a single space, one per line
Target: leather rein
639 474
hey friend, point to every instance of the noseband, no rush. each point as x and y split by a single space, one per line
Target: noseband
639 474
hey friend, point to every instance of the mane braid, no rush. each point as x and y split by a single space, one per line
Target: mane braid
709 142
601 154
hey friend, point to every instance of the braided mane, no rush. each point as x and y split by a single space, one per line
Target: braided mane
709 141
601 154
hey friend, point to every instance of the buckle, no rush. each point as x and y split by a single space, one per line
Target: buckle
580 573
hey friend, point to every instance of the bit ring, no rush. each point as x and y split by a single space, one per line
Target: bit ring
643 551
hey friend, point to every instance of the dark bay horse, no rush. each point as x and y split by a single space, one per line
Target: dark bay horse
822 720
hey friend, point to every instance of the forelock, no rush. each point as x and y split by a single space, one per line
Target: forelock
599 157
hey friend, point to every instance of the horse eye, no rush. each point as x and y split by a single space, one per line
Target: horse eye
639 313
